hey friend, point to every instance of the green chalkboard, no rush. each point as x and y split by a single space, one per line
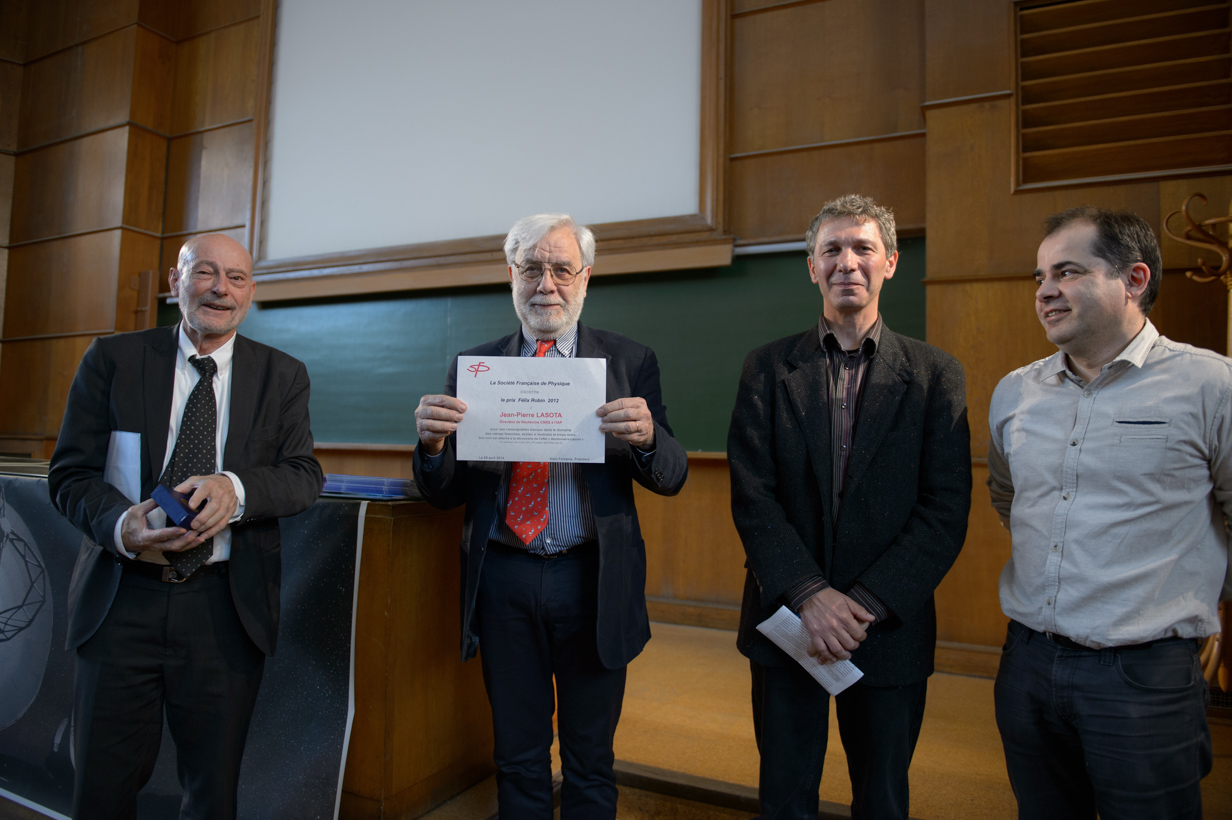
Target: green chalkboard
371 359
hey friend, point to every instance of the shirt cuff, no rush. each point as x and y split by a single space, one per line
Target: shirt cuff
240 498
801 592
644 457
119 542
863 596
427 462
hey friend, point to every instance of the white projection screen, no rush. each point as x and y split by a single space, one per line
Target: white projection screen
398 122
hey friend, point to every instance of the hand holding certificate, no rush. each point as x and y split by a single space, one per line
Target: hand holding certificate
531 409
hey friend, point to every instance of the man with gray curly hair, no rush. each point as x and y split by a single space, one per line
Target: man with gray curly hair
554 588
851 482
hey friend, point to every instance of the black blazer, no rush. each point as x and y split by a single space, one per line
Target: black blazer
632 370
125 383
905 500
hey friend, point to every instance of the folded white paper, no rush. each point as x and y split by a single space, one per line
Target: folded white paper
788 633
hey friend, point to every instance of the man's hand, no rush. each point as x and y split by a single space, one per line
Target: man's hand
218 494
628 420
836 624
136 535
435 418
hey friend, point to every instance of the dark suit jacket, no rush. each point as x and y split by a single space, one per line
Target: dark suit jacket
125 383
632 370
905 500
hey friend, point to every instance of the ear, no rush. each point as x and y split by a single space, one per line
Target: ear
891 265
812 272
1136 278
173 280
585 274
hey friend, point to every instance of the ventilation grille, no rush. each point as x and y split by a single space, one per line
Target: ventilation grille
1117 88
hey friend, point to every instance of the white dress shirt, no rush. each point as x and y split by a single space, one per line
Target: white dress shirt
1115 493
186 378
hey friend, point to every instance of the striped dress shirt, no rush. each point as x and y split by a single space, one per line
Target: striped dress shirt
846 370
570 520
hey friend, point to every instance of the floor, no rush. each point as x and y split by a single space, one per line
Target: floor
687 710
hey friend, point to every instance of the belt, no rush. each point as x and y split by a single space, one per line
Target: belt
168 574
1062 641
545 556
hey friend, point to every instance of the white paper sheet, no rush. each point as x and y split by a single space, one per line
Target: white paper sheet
531 409
788 634
123 469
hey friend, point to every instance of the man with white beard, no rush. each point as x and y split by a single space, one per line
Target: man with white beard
553 581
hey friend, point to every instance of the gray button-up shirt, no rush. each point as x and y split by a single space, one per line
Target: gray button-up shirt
1115 493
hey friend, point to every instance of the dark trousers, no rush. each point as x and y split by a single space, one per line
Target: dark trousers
879 727
1121 732
537 622
164 647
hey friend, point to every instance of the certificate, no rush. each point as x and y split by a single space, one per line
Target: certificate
531 409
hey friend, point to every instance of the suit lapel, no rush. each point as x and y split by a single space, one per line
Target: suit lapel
807 385
244 394
158 384
884 389
588 348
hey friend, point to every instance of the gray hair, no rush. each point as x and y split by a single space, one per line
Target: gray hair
857 207
529 231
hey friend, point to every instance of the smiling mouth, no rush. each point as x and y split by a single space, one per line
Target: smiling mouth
1052 313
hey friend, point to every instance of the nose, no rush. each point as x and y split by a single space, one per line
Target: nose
846 260
547 284
1047 289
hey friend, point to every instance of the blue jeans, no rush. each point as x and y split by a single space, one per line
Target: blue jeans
1119 731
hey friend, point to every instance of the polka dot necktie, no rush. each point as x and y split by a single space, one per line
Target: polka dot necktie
195 454
526 513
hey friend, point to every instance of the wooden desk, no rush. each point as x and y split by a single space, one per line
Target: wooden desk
423 729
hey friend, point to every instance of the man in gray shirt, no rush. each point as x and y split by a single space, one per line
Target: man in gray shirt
1109 463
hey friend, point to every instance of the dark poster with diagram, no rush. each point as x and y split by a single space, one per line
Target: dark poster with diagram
296 747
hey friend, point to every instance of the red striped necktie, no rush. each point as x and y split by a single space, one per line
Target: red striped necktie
526 512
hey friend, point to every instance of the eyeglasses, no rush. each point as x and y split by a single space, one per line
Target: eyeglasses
561 274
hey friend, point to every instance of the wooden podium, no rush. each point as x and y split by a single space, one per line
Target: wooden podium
423 729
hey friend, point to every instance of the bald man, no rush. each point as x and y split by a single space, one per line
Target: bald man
178 618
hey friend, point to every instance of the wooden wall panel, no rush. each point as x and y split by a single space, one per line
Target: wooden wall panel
991 327
968 604
163 17
10 104
209 179
976 225
216 78
775 196
693 552
794 81
202 16
70 187
13 16
139 282
969 48
84 88
1192 312
153 80
63 286
145 180
8 164
56 24
41 372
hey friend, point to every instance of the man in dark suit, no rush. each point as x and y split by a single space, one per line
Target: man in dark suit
553 581
166 617
851 482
